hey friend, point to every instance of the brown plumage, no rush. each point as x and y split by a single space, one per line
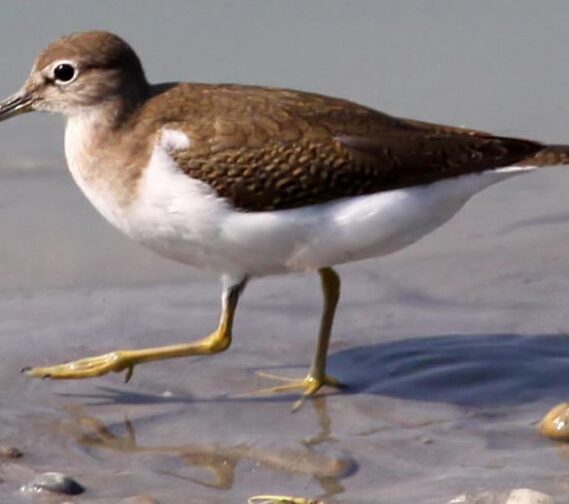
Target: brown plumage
273 149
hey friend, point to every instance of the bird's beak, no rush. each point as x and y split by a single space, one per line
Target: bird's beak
18 103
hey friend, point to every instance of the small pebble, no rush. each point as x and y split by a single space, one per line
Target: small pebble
55 483
555 425
10 452
527 496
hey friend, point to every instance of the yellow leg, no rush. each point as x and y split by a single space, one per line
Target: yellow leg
125 360
316 377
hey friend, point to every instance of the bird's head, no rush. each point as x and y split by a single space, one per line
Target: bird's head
77 73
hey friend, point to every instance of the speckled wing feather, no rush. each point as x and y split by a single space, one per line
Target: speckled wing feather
270 149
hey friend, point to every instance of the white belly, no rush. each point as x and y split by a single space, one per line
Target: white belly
351 229
181 218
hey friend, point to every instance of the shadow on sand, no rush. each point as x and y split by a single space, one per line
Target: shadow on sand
472 370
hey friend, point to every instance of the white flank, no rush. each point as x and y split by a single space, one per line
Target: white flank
183 219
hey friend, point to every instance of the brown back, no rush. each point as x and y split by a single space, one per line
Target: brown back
272 149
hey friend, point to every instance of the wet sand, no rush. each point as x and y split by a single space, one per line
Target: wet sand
452 350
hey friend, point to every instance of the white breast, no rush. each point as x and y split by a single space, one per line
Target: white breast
97 189
175 215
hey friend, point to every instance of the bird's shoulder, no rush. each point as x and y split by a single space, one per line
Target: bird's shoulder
233 115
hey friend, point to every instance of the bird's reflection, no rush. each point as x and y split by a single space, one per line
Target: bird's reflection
330 485
220 460
324 434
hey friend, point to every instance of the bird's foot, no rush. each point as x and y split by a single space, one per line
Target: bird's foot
88 367
308 386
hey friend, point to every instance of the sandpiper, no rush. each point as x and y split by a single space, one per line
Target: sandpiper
250 181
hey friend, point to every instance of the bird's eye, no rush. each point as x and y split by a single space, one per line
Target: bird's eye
64 72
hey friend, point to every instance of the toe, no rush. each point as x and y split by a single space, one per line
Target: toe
89 367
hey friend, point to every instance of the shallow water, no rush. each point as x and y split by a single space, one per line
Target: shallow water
452 350
450 357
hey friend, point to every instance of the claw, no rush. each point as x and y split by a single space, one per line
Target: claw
129 373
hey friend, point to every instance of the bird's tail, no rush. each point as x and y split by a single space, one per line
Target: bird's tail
548 156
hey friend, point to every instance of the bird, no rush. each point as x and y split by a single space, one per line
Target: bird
247 181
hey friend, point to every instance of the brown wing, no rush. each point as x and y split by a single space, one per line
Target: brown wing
268 149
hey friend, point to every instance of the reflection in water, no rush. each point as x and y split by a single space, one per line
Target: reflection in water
324 422
330 485
221 459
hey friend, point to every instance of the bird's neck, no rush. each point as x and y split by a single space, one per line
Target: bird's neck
98 148
102 125
86 135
